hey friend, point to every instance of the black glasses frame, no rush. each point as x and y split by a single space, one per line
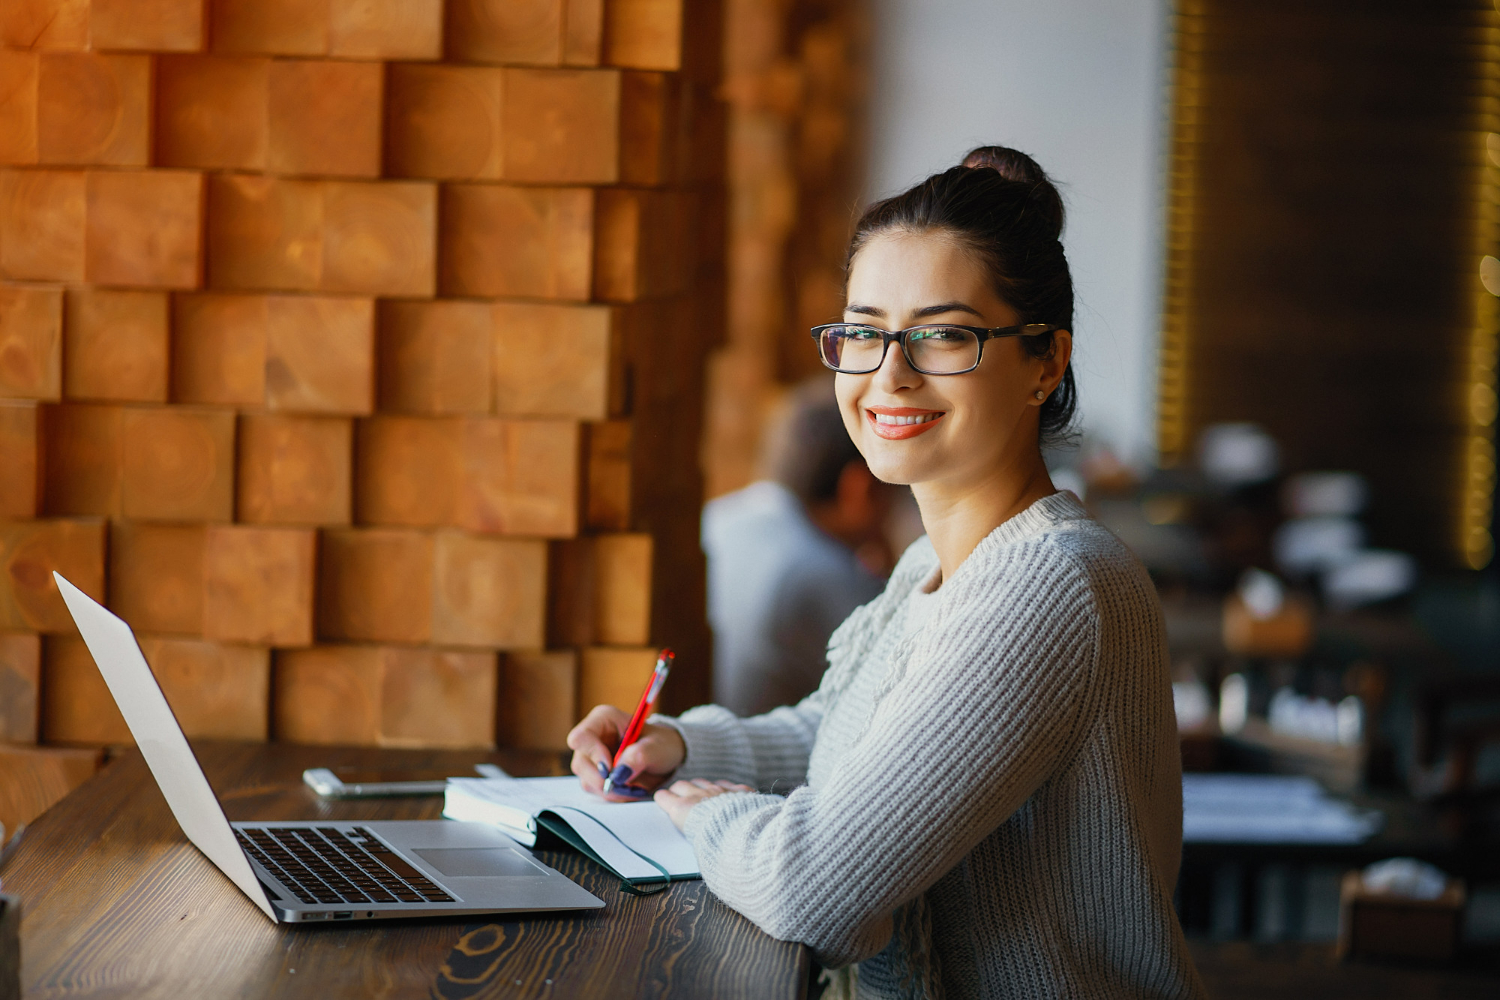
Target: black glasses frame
900 337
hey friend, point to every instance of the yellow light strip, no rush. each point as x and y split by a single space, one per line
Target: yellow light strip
1186 108
1476 499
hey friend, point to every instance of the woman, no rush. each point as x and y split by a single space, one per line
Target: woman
983 798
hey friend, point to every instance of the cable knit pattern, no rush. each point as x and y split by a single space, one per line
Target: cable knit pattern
988 804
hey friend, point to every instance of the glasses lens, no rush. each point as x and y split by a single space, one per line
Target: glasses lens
940 349
851 348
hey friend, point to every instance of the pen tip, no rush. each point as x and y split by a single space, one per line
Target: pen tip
609 784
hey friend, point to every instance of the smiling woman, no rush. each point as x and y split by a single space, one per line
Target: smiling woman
983 798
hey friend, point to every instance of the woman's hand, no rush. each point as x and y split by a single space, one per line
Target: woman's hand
679 799
644 765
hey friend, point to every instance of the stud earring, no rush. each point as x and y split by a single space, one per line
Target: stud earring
1040 394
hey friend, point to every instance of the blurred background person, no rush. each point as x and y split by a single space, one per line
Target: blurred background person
791 555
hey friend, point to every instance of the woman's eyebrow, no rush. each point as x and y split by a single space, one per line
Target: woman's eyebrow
947 307
864 310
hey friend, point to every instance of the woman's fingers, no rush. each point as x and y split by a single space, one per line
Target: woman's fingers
592 741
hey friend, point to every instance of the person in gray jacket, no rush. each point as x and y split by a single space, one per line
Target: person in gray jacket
983 798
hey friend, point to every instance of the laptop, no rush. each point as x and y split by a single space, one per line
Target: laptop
298 872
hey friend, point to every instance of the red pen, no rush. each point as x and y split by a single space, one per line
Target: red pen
638 720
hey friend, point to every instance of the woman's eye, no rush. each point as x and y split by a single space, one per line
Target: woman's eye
861 333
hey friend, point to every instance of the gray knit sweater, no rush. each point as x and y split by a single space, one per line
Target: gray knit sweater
983 802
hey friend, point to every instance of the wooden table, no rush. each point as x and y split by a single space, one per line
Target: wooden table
1240 970
117 903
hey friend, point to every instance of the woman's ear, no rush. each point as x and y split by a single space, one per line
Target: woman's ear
1050 369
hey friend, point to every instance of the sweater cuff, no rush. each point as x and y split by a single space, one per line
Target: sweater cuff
707 820
716 744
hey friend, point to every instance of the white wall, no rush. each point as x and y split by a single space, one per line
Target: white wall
1081 86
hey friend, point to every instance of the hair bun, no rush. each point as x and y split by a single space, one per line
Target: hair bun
1014 165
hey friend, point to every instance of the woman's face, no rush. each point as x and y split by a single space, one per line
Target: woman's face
968 427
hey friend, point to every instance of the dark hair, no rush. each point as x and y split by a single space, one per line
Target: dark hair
809 449
1006 212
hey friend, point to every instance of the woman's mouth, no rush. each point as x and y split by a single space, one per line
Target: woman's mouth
896 423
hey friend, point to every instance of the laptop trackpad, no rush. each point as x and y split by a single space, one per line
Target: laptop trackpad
470 862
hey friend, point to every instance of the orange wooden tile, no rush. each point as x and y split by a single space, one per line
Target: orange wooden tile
29 553
31 343
445 122
294 470
521 477
607 505
622 588
554 360
42 221
212 112
583 32
21 458
218 691
19 72
538 701
145 228
375 585
115 345
379 238
81 469
45 25
488 591
513 32
269 27
259 585
147 25
156 575
320 354
177 463
325 117
512 241
407 470
76 704
219 349
562 126
264 233
94 109
643 34
613 676
435 356
385 29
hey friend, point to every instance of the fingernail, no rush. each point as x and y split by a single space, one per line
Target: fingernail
621 774
631 791
603 768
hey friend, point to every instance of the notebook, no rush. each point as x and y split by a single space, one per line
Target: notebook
634 840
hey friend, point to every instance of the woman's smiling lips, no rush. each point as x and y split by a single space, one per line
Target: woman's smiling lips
897 422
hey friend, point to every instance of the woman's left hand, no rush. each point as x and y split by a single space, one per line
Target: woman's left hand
679 798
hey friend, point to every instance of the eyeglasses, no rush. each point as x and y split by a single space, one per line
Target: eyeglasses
932 350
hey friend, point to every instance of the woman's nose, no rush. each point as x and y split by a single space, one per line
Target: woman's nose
894 371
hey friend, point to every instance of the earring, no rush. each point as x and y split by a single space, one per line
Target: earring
1040 394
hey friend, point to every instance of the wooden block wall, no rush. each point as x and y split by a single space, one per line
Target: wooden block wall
353 353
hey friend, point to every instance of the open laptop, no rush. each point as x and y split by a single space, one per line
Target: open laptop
299 871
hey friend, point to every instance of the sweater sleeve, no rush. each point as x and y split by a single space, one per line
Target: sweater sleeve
767 751
988 706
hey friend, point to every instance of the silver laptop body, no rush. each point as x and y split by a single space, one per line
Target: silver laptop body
298 872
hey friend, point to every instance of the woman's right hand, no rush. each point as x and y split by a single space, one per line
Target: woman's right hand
650 760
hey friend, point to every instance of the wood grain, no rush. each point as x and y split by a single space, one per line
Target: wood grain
320 354
111 884
81 464
488 592
644 34
294 470
583 32
156 575
147 25
609 473
623 579
177 463
42 222
45 24
379 238
29 553
19 72
216 690
324 117
93 109
562 126
145 228
31 342
212 112
538 701
375 585
385 29
557 361
521 477
445 122
116 345
259 585
269 27
408 470
219 349
76 704
533 242
21 458
434 357
512 32
643 244
264 233
32 779
20 687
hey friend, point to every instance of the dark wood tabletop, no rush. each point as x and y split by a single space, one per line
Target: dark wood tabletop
117 903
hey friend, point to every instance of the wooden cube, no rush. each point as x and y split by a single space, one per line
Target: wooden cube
259 585
434 356
45 25
408 470
19 72
379 238
177 463
583 32
562 126
325 117
147 25
42 222
385 696
622 588
116 345
81 465
516 32
511 241
264 233
219 349
488 591
269 27
557 361
93 109
538 701
642 243
21 458
375 585
156 575
650 109
320 354
30 342
76 704
385 29
643 34
294 470
145 228
217 690
570 592
609 474
212 112
521 477
445 122
20 686
613 676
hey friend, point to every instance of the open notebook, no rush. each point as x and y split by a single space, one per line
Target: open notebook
635 840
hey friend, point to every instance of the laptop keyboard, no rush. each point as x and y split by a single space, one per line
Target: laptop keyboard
324 865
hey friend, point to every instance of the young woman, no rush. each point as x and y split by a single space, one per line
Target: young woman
984 796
